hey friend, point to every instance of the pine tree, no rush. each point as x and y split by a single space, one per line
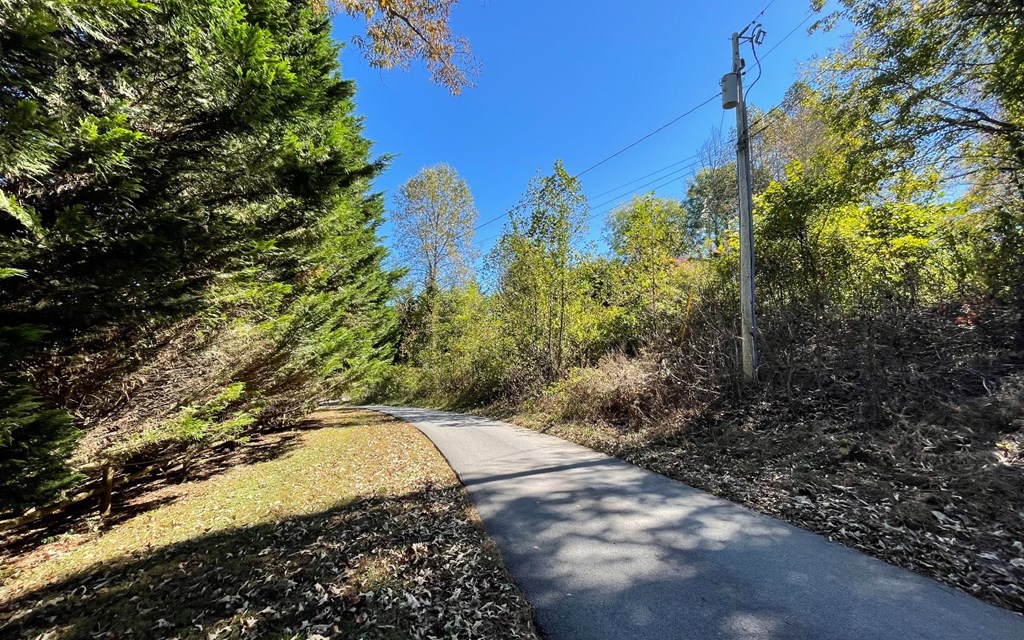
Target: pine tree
176 160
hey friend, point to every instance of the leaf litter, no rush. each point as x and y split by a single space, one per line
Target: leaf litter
359 531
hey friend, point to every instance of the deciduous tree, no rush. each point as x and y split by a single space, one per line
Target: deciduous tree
938 83
434 216
400 31
534 262
649 238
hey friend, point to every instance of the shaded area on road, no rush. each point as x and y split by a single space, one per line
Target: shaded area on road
606 550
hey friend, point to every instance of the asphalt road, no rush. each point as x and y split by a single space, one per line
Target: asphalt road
605 550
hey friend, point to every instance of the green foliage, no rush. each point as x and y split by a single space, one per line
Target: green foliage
193 426
856 254
921 73
823 249
888 226
36 439
185 167
648 237
35 444
533 264
434 216
711 202
467 363
938 84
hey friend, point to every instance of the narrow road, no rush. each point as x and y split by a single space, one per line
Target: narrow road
606 550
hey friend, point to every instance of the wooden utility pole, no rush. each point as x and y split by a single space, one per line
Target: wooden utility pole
732 97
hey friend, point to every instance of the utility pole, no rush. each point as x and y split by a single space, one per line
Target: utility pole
732 97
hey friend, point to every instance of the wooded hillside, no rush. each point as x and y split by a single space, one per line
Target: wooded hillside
888 226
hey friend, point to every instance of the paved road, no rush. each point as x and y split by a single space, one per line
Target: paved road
605 550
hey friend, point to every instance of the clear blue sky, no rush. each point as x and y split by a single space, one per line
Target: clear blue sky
575 80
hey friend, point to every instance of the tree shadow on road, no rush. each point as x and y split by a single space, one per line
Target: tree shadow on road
599 544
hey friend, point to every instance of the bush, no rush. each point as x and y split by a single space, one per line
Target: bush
35 445
36 441
622 391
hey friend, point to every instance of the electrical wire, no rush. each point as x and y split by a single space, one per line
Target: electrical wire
810 14
617 153
668 124
673 121
757 59
753 49
755 39
656 131
758 16
761 119
626 184
662 182
647 184
778 107
491 221
616 205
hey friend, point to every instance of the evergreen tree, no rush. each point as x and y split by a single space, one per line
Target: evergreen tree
173 160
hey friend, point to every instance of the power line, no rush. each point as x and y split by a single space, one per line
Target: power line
626 184
758 58
770 3
778 107
494 219
677 119
617 153
809 15
613 207
617 199
666 125
754 41
656 131
761 118
635 189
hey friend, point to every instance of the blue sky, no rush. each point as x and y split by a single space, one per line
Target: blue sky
575 80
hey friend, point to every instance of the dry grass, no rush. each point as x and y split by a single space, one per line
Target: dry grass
353 526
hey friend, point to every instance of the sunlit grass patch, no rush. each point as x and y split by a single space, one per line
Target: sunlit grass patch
359 529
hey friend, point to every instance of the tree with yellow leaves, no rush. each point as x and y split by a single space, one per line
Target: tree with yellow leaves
400 31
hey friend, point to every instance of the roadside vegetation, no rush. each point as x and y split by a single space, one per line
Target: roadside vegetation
188 233
889 227
350 525
190 261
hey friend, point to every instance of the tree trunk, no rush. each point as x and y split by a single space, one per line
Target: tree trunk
561 326
107 500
